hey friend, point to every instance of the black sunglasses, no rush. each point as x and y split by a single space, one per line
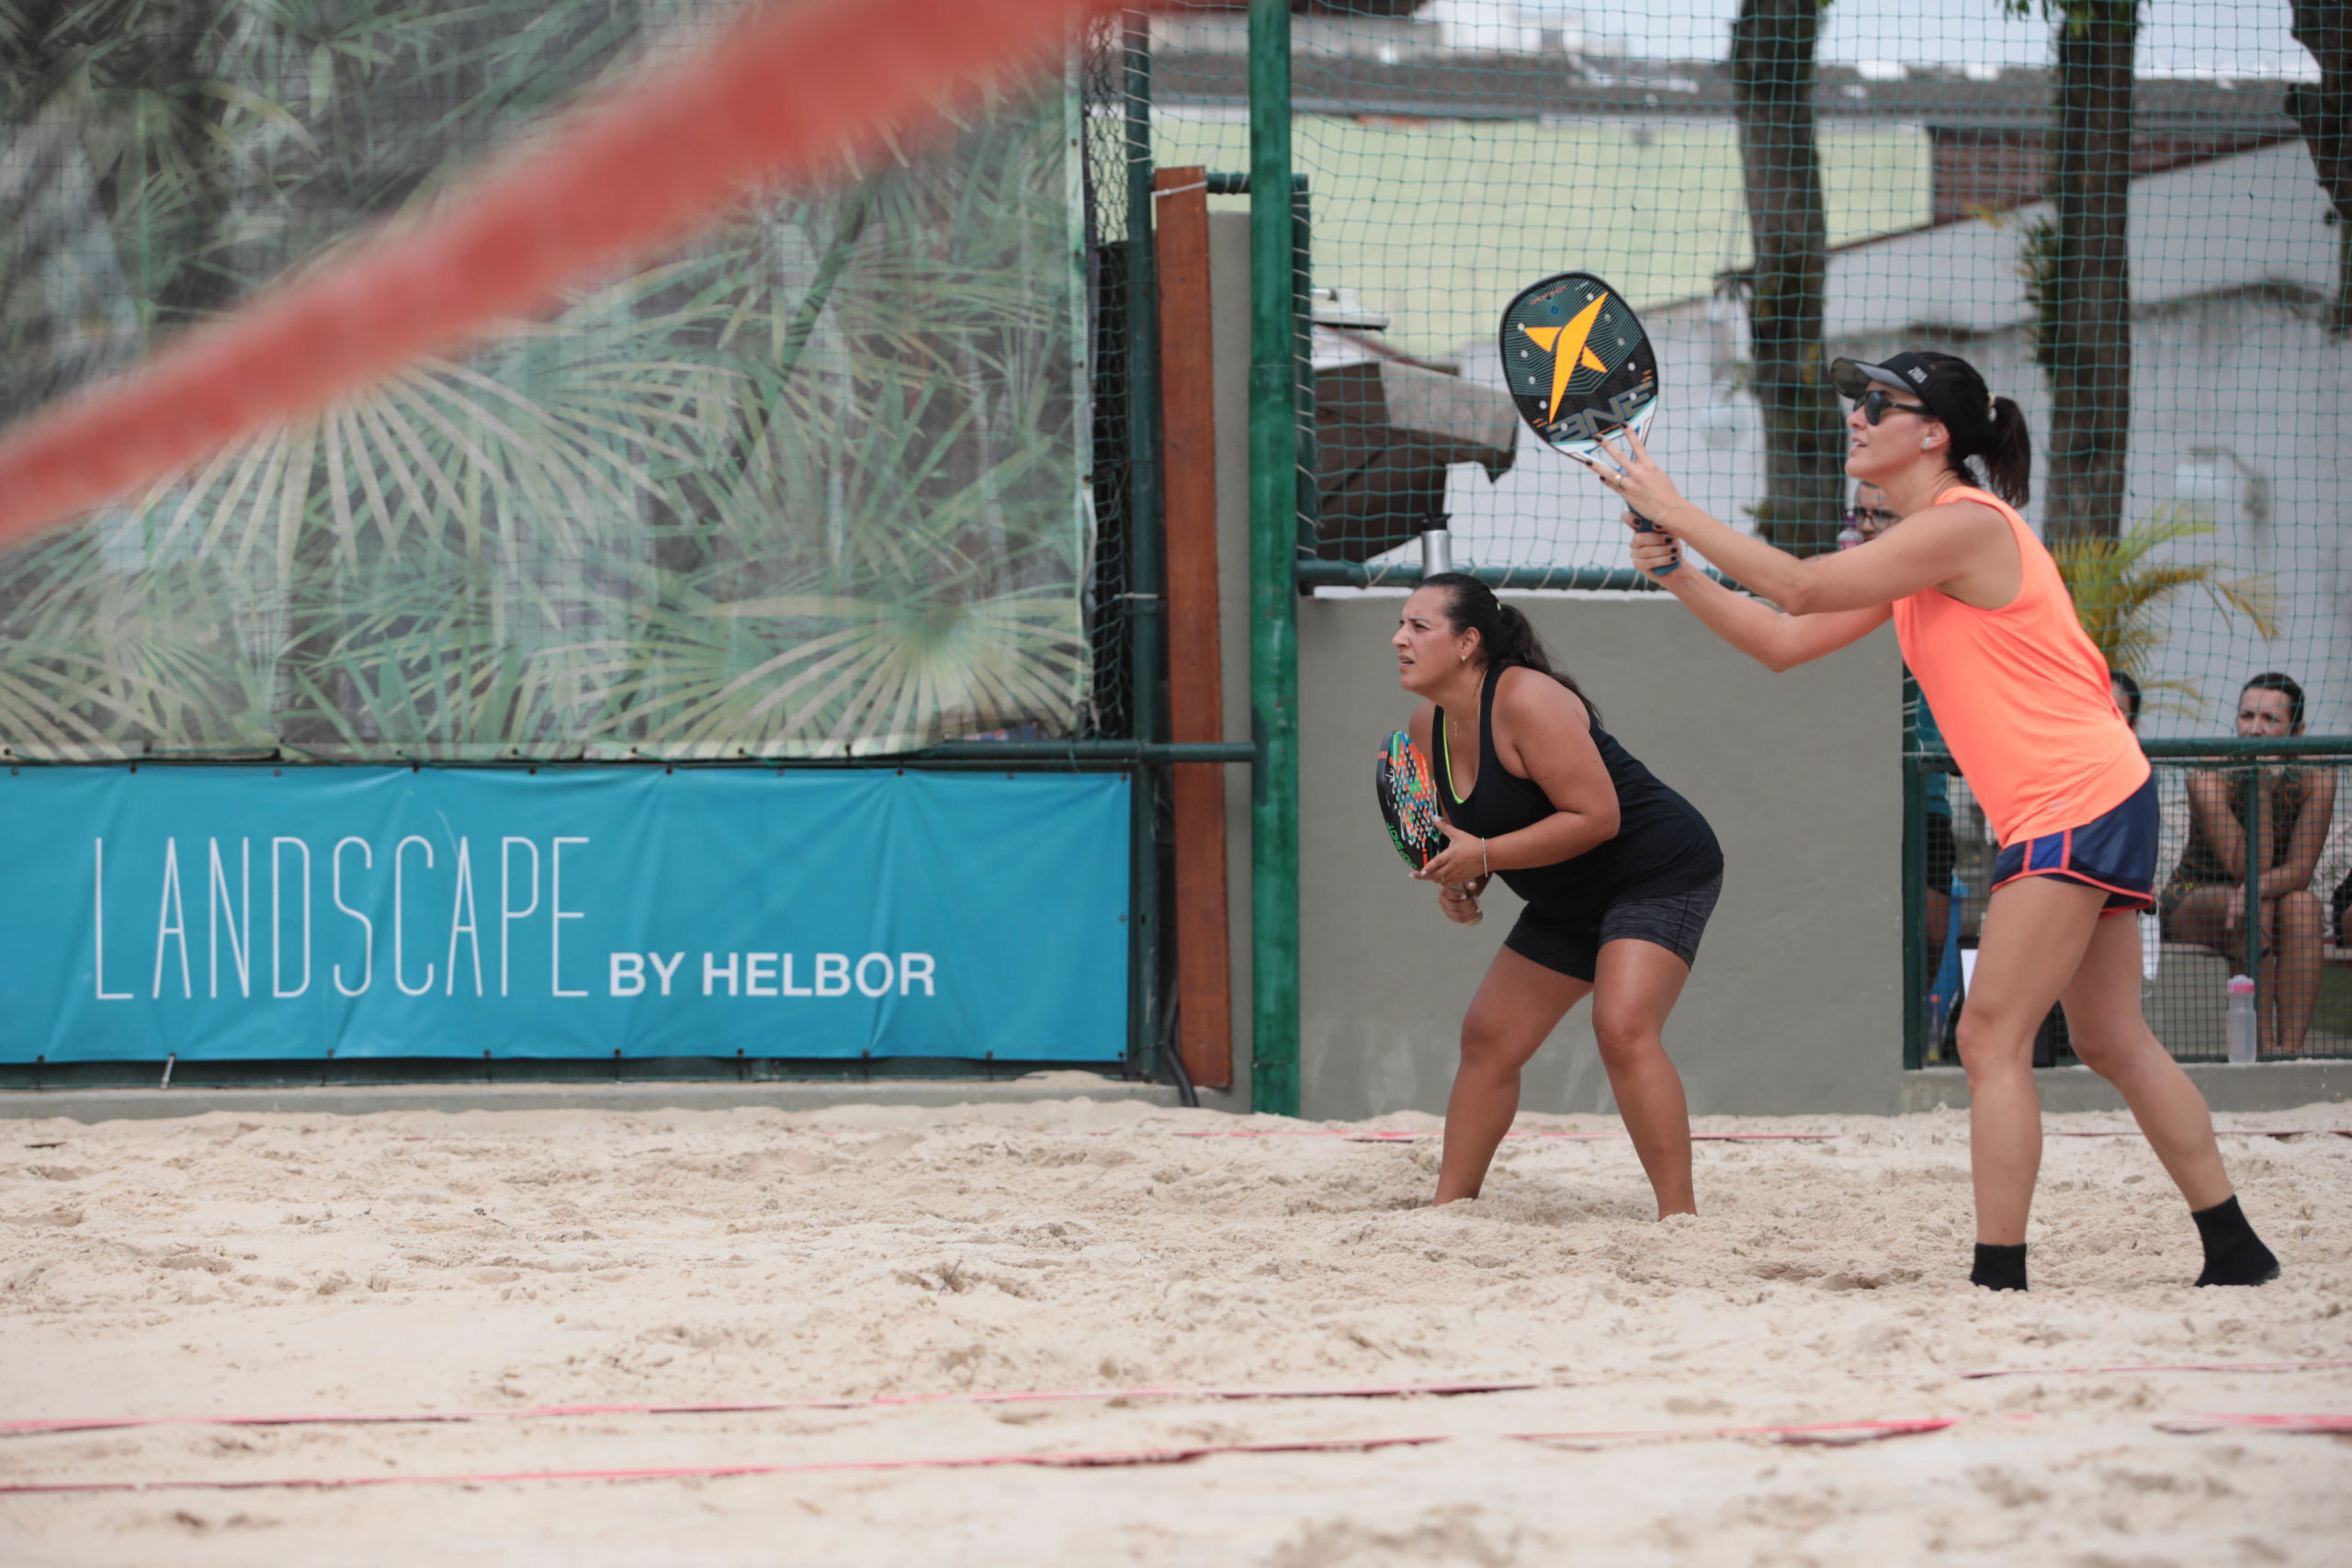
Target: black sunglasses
1874 406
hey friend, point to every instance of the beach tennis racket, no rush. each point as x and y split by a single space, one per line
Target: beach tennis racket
1578 365
1408 801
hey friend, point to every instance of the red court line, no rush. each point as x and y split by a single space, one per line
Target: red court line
2190 1426
1388 1136
2218 1131
2160 1367
1818 1433
1083 1459
40 1426
784 99
1826 1432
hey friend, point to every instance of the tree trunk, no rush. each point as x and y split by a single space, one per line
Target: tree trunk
1772 87
2325 114
2085 337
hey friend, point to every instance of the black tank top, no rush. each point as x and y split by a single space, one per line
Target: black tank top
1663 846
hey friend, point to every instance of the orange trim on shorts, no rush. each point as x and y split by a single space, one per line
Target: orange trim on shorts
2143 900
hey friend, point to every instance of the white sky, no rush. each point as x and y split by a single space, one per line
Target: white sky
2217 37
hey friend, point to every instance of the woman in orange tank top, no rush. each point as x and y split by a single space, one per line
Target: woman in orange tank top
1987 627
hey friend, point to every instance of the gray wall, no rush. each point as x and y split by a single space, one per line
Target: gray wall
1795 1003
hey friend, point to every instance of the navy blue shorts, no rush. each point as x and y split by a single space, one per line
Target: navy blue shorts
2115 851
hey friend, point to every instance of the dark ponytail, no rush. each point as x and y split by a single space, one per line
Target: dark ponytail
2008 456
1505 636
1991 430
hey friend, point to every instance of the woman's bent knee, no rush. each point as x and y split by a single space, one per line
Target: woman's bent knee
1623 1040
1488 1050
1988 1046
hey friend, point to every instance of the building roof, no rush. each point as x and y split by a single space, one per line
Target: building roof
2231 225
1449 84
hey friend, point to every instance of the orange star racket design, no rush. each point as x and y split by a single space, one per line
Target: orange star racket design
1578 365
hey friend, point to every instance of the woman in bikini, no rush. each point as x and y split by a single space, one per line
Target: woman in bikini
2204 902
1988 629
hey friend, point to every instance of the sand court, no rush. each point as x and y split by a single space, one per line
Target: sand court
1263 1309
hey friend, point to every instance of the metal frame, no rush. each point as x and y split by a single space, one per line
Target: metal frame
1274 410
1918 761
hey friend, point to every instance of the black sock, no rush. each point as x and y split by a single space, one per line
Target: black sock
2233 1254
2000 1267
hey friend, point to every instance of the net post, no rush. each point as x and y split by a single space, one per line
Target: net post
1144 622
1274 520
1309 511
1915 883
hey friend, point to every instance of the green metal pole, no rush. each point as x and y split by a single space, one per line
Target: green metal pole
2254 802
1915 1022
1274 597
1144 622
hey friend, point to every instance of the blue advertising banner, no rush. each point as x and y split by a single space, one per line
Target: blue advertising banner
221 913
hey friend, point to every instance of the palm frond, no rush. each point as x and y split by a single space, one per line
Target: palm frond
807 485
2121 596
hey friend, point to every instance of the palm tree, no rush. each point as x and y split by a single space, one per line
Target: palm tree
2121 596
1772 87
2323 111
2078 265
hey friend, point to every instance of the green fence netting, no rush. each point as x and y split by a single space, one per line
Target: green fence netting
812 484
2136 244
2133 219
2294 948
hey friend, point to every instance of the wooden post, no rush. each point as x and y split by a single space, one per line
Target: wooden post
1195 687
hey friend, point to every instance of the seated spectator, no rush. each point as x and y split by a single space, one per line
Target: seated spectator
2126 692
2205 901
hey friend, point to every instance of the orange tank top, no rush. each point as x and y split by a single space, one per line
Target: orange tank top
2021 696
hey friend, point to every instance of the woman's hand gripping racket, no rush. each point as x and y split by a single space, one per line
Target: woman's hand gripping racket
1409 802
1579 367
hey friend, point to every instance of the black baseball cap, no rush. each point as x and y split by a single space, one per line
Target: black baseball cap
1930 377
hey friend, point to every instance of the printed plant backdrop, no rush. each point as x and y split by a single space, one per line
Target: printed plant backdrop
808 486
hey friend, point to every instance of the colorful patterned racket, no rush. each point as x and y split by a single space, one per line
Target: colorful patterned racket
1408 792
1578 365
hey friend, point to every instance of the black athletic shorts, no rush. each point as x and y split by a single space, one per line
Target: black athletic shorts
1943 852
1675 922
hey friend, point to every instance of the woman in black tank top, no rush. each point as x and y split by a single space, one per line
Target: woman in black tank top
1620 874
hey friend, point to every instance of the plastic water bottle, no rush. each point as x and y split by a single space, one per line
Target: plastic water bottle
2240 1019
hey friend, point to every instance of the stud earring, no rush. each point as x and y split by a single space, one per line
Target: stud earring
1924 443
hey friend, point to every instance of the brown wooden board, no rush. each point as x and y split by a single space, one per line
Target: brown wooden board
1195 693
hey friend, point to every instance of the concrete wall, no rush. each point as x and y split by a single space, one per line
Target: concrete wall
1795 1003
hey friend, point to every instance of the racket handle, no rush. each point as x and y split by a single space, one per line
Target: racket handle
1643 526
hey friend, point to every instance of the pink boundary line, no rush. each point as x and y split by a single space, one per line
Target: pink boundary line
50 1425
1830 1433
2218 1131
2158 1367
46 1425
1391 1135
2190 1426
1802 1432
1073 1460
1808 1432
